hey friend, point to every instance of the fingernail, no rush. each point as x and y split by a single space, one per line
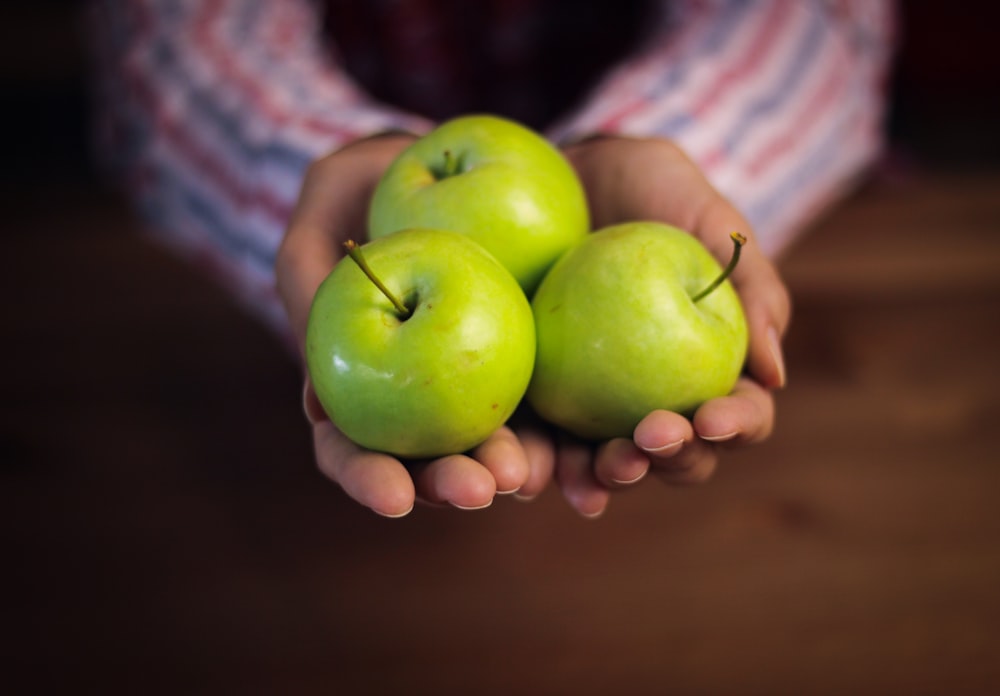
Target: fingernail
580 500
512 491
664 451
524 498
311 405
720 438
774 345
638 478
395 516
472 507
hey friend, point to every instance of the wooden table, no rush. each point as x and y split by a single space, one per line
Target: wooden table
164 530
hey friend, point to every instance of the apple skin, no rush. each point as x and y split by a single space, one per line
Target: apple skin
618 335
442 380
513 192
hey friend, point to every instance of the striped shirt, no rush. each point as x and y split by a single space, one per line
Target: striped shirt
211 110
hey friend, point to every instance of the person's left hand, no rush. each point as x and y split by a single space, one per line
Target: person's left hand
652 179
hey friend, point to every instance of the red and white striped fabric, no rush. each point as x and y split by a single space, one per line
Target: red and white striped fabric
781 103
211 110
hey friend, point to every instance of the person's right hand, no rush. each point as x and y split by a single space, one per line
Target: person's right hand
332 208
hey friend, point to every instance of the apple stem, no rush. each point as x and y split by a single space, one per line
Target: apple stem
738 241
354 251
450 164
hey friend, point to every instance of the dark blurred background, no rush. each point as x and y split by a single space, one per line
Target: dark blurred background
163 529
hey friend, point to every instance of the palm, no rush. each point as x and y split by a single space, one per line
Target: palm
629 180
332 208
625 180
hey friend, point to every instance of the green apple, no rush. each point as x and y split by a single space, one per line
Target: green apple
494 180
622 332
432 362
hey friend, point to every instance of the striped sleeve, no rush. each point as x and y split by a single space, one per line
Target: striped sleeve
210 112
780 102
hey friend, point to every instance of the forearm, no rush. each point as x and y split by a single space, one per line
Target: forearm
780 104
210 116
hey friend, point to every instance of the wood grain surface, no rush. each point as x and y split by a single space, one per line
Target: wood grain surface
164 530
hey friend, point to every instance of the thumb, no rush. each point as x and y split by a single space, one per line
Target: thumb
307 255
331 209
765 298
768 311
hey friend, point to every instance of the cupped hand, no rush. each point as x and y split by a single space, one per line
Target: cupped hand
332 208
629 179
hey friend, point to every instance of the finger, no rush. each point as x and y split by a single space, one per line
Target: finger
311 406
310 249
765 356
767 307
540 451
662 183
662 434
303 263
576 479
619 462
504 457
745 416
694 463
676 455
766 302
375 480
455 480
331 208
